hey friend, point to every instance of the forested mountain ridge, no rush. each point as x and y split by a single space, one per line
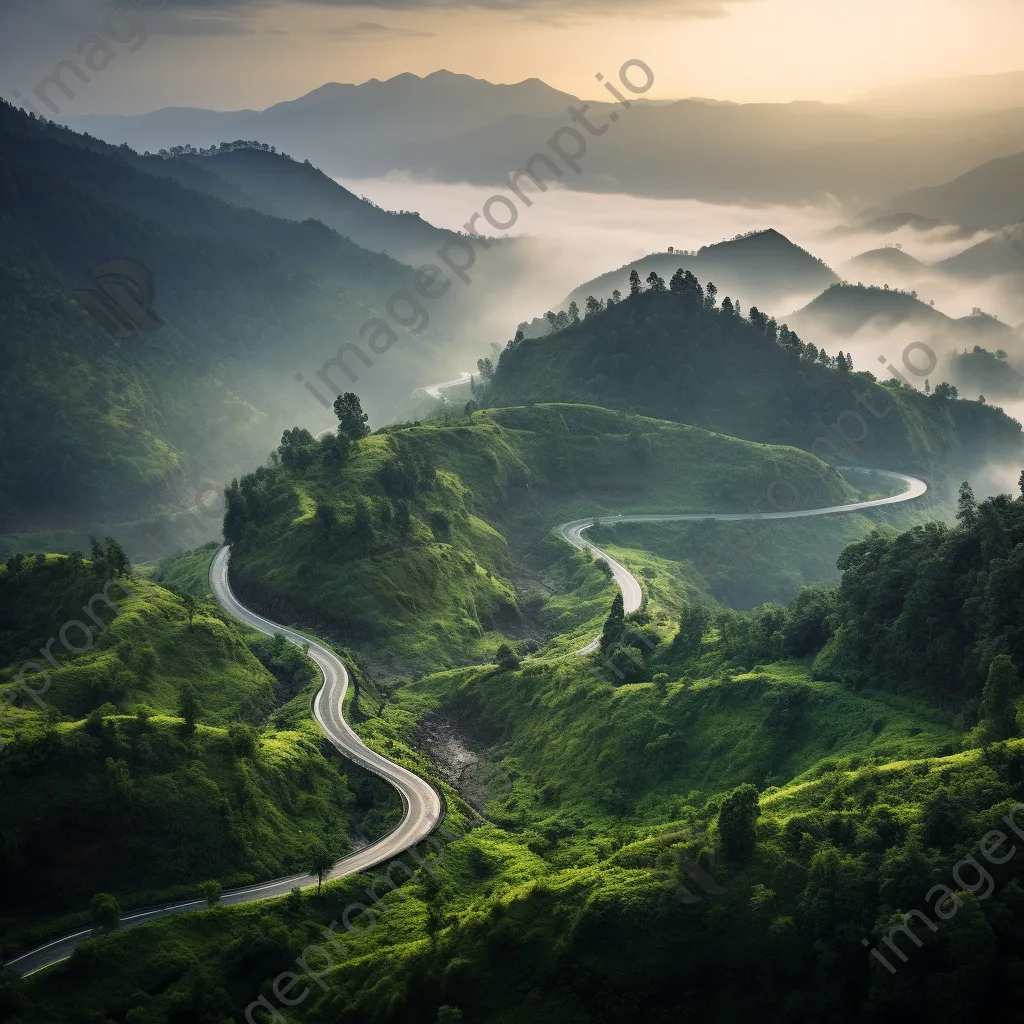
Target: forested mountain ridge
93 424
282 187
760 268
673 353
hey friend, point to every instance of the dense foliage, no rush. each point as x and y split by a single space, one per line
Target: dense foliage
402 543
177 747
675 353
93 424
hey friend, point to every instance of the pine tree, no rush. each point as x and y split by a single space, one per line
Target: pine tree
967 507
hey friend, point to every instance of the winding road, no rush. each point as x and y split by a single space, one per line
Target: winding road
421 801
632 595
434 390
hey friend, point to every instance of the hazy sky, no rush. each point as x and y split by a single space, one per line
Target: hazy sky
250 53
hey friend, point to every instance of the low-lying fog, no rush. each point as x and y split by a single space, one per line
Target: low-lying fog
588 234
575 236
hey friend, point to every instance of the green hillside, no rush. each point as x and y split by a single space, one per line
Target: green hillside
631 860
412 549
674 354
109 788
99 428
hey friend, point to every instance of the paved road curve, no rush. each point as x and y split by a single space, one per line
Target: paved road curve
422 803
434 390
632 595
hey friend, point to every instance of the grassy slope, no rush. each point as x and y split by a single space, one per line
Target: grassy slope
445 596
137 806
570 905
564 906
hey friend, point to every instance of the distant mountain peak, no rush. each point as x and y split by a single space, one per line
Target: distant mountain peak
766 238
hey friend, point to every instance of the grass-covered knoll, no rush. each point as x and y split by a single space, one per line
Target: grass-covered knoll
152 644
402 547
674 354
178 748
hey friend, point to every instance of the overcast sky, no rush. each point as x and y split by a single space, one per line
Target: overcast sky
226 54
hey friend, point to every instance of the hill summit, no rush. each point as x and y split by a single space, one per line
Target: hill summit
762 268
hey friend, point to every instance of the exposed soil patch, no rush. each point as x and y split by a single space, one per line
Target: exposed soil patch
449 746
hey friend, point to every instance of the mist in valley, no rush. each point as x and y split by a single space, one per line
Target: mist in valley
411 619
567 236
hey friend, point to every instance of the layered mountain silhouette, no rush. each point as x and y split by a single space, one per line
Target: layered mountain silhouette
282 187
989 195
95 421
842 312
456 128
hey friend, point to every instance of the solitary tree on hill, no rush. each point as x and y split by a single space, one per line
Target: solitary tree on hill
106 911
211 892
320 863
351 418
190 602
506 658
635 288
188 706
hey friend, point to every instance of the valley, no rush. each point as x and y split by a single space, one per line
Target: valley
414 616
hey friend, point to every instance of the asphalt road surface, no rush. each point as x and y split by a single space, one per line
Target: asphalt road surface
632 595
